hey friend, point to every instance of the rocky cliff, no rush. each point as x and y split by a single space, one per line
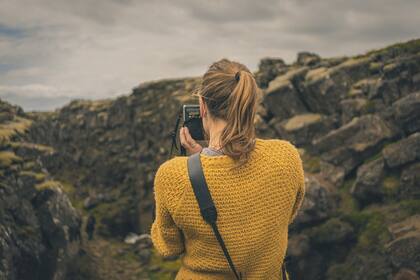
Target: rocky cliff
355 120
39 229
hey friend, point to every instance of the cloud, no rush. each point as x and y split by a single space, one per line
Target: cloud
57 49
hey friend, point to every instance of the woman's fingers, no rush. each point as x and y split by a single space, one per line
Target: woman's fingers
188 137
188 142
182 137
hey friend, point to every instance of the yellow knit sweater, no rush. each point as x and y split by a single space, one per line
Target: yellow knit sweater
255 205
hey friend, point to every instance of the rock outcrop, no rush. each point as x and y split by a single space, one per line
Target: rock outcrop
39 229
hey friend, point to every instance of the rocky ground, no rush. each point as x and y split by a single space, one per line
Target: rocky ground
355 120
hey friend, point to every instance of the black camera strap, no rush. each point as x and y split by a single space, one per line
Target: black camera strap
205 202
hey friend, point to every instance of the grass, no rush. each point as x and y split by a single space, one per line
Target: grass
372 228
49 184
390 185
412 46
39 147
168 269
9 129
7 158
347 202
410 206
39 177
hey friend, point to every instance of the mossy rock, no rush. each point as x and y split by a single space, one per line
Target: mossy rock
369 107
348 203
411 206
332 231
371 227
311 164
116 218
18 126
49 184
7 158
39 177
390 185
373 157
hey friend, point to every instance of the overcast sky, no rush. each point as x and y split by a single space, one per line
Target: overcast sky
52 51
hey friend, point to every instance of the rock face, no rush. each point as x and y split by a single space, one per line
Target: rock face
39 227
355 121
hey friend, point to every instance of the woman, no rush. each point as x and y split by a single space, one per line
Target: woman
257 186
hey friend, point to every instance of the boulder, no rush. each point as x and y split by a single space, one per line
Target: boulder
325 87
349 145
300 129
332 173
404 249
268 69
359 134
410 182
367 186
407 112
307 59
332 231
402 152
282 98
351 108
317 204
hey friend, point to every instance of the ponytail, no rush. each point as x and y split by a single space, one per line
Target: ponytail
230 91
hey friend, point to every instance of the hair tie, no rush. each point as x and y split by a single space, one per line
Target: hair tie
237 75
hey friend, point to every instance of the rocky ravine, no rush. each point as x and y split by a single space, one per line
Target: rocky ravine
39 227
356 121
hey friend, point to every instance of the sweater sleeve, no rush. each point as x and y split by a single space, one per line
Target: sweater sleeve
297 173
166 236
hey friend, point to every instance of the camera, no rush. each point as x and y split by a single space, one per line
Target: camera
192 120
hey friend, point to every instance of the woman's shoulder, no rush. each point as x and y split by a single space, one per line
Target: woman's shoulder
279 144
170 180
284 151
172 167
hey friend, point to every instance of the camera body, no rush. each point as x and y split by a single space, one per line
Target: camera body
192 120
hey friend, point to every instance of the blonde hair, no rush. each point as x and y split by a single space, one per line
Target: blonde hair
230 92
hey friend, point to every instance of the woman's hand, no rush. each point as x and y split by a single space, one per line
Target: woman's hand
190 145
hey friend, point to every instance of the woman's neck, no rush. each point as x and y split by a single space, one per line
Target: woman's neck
215 131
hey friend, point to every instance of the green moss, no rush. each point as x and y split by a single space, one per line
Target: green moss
127 257
373 157
111 214
67 187
375 234
390 185
411 206
369 107
312 164
7 158
371 225
375 67
340 271
347 203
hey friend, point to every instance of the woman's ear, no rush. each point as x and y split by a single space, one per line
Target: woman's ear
202 108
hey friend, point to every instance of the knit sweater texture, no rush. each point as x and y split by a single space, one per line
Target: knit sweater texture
255 205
